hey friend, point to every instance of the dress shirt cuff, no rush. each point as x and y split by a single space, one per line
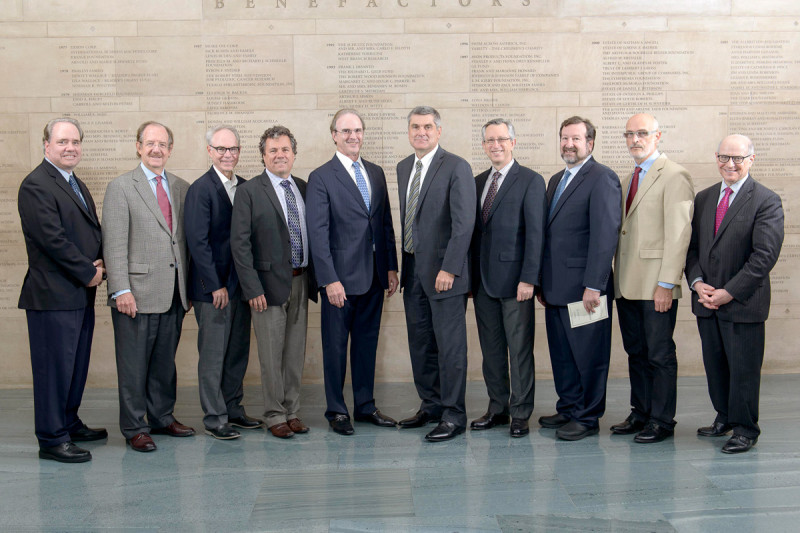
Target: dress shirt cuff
591 289
119 293
691 285
666 285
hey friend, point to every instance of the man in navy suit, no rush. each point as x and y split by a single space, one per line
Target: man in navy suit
355 261
65 266
580 241
437 207
737 233
223 319
506 258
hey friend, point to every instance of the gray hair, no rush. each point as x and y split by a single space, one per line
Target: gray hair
48 129
426 110
498 122
213 131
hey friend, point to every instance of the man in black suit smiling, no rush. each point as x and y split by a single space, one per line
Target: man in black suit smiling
65 266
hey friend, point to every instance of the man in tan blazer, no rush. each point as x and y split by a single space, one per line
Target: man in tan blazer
147 264
655 233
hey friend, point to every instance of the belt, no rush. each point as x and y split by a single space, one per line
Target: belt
298 271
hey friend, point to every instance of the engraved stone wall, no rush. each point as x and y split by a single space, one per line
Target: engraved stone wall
705 69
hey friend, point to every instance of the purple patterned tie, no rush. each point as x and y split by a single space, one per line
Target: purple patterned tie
722 208
487 204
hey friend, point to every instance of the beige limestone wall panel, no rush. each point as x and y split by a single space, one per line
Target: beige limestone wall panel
16 146
774 8
70 10
23 29
95 28
591 8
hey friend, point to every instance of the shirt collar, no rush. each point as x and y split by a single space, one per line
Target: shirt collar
60 170
577 168
150 174
735 187
647 163
427 158
503 171
224 178
347 162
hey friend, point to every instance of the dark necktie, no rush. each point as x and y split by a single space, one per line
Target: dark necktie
411 209
74 185
490 194
722 208
293 217
163 202
633 188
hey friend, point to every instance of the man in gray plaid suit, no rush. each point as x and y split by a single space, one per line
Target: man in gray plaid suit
147 265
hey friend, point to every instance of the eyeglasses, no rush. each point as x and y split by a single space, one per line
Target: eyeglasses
499 140
234 150
347 132
737 159
641 134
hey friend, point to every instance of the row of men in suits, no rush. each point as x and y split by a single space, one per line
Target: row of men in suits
255 257
646 226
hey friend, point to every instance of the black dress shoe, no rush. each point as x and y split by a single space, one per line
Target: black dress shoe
519 427
736 444
444 431
245 422
223 432
717 429
86 434
553 421
418 420
378 418
66 452
574 430
341 425
653 433
630 426
488 421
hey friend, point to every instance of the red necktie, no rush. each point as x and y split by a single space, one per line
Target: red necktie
722 208
163 202
632 191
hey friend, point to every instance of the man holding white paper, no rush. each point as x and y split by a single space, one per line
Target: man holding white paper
580 241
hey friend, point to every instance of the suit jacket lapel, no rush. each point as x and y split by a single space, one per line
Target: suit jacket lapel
742 197
65 186
142 186
648 181
377 193
574 183
220 188
430 175
347 182
272 195
403 171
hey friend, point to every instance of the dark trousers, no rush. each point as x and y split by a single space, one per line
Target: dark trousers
60 342
437 342
732 356
145 348
580 358
652 363
360 321
223 345
505 331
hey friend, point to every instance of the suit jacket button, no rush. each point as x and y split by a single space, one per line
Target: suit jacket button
623 232
172 265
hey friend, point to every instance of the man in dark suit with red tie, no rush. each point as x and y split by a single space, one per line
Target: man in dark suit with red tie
737 233
506 260
65 266
355 261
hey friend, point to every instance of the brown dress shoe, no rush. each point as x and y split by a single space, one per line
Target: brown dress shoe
176 429
282 430
142 443
297 426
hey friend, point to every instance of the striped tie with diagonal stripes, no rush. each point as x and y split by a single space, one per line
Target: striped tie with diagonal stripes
411 210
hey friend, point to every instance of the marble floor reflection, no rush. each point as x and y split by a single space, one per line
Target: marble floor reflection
392 480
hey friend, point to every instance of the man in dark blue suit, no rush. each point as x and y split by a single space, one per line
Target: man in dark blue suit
506 260
65 266
580 240
737 234
223 319
353 250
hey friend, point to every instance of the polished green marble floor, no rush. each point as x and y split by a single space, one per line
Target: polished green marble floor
392 480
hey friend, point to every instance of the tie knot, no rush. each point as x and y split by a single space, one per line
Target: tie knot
285 184
637 171
728 191
419 165
158 178
496 175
